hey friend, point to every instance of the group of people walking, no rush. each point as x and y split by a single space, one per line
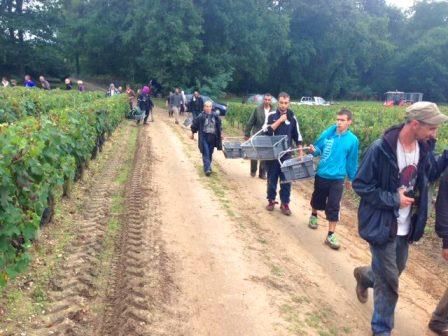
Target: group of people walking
44 83
140 103
392 181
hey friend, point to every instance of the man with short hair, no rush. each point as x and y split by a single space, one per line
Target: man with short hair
392 182
338 150
256 121
44 83
196 104
208 126
281 122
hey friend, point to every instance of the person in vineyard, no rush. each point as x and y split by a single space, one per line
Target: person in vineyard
169 104
338 150
68 84
439 319
256 121
393 183
196 104
176 102
281 122
29 83
5 82
208 126
81 86
183 106
44 83
145 104
131 96
112 91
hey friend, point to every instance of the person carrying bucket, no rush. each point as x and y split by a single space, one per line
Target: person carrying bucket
281 122
337 147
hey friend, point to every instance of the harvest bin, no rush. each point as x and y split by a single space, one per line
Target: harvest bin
298 168
232 149
264 147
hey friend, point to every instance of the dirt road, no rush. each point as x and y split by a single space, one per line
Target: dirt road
297 285
160 249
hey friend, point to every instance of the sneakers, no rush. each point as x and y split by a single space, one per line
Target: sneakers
208 173
271 205
262 176
361 291
332 241
312 224
438 328
284 208
252 174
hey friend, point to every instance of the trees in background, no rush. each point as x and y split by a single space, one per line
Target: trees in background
333 48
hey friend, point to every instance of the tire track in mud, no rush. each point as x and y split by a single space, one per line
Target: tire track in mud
72 290
142 286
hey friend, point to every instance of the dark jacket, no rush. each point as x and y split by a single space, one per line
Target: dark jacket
291 129
442 210
377 183
198 126
196 105
145 102
256 120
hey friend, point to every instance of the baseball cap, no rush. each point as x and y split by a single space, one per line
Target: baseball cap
426 112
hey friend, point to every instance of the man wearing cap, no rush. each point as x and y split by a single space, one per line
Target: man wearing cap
392 182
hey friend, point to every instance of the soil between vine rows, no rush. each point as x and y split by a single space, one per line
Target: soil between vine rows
199 256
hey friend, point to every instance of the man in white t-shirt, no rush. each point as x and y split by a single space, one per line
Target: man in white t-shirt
392 181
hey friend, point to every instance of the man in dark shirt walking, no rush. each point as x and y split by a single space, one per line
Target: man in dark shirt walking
281 122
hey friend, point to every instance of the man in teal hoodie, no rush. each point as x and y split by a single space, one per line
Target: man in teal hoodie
337 147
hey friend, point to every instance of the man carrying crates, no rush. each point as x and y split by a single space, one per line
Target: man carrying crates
281 122
338 150
256 121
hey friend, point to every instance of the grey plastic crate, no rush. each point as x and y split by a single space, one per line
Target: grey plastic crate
265 147
298 168
232 149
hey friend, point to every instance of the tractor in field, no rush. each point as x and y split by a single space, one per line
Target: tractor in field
398 98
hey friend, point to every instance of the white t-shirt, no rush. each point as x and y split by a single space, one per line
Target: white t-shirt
266 111
407 164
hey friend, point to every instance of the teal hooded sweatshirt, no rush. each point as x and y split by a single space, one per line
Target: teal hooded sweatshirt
338 154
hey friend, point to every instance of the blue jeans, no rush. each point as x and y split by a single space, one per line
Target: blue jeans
274 174
207 152
388 261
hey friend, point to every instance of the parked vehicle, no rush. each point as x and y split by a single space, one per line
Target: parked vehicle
314 101
256 98
399 98
218 108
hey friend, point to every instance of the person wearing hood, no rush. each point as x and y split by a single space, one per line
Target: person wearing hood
393 184
145 104
338 150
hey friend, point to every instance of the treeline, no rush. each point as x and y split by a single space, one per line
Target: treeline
332 48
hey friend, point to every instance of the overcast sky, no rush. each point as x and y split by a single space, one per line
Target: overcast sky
405 4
